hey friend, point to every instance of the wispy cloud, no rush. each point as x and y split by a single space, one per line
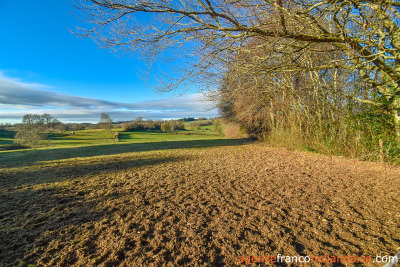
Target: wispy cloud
18 98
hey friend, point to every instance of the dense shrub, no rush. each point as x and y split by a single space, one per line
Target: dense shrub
172 126
168 127
31 131
315 111
132 126
217 127
139 125
29 136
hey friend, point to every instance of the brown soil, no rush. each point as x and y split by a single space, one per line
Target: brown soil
197 207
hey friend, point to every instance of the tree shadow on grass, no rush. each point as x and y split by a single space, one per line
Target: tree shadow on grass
69 137
32 157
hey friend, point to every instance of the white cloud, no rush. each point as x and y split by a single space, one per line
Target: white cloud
18 98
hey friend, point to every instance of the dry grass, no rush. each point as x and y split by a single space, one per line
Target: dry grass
195 207
233 130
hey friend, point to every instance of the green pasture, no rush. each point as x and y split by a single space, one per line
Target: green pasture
88 143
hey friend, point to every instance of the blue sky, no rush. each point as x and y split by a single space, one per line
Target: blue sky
45 68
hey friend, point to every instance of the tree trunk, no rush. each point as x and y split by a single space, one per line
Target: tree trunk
396 118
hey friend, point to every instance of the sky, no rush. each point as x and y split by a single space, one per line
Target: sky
44 68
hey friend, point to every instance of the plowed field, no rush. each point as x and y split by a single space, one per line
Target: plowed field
197 207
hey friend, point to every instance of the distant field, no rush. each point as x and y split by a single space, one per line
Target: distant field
98 137
88 143
184 200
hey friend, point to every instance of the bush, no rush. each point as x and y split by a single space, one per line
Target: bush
29 136
179 125
140 125
132 126
31 131
217 126
150 125
168 127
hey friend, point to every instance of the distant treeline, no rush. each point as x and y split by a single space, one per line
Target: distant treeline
150 125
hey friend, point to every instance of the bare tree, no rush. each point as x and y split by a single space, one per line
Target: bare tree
106 122
47 118
49 121
209 33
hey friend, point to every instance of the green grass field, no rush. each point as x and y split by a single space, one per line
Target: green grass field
88 143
